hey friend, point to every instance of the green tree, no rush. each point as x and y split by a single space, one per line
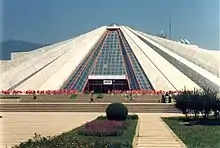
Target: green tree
182 102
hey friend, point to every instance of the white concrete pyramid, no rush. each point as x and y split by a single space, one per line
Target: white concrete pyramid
49 67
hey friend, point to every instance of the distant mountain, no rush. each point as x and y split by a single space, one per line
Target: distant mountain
7 47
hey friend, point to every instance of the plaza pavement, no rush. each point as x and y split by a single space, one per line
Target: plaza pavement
16 127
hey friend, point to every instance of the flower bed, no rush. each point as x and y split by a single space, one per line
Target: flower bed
68 92
95 134
103 128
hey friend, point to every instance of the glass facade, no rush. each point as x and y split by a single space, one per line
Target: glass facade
79 76
140 77
110 61
113 56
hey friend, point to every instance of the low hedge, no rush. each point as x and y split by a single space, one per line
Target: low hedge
10 97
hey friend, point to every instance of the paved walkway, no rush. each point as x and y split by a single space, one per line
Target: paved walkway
18 127
154 133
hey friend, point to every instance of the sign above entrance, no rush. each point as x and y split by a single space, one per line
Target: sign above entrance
107 82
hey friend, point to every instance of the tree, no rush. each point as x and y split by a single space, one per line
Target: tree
195 103
217 112
209 102
182 102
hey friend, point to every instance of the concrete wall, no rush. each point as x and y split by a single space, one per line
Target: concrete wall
19 57
25 69
198 56
28 67
74 59
158 81
213 78
66 56
4 64
171 73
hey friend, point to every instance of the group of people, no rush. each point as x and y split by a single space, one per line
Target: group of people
166 98
141 92
129 97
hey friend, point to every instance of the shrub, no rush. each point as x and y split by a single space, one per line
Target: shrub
217 108
129 117
116 111
208 102
75 142
132 117
198 102
101 118
182 102
102 128
73 96
99 96
36 141
194 103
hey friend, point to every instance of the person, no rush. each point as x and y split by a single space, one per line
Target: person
35 97
166 97
91 98
170 98
163 99
131 96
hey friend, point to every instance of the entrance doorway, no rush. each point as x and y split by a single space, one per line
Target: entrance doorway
99 86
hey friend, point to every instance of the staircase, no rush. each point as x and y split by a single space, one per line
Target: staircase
63 103
86 107
86 98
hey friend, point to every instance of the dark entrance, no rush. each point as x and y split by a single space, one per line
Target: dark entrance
103 86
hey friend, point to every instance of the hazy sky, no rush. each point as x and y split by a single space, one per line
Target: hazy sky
47 21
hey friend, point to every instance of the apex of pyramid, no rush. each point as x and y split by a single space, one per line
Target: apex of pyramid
113 26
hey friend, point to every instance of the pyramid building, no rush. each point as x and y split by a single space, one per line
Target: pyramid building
112 58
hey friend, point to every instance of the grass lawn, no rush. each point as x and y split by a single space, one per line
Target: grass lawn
196 134
73 139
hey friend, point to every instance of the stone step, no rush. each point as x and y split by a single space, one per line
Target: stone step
153 137
155 146
150 131
159 145
86 98
88 107
150 141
